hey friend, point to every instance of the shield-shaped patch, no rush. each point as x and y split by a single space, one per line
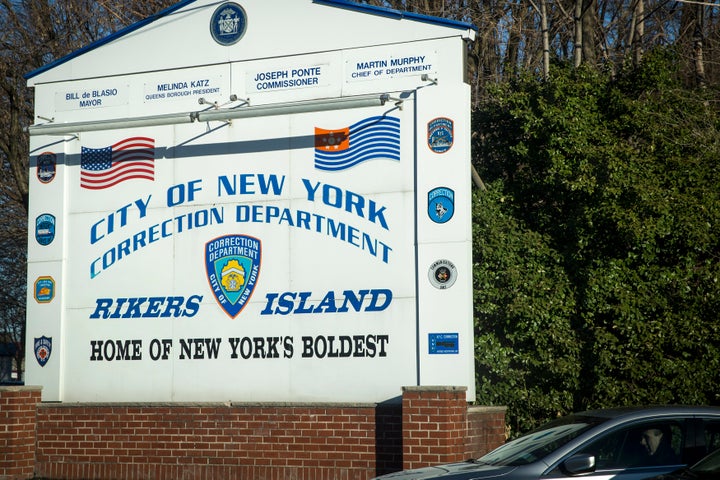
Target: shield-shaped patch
43 349
232 263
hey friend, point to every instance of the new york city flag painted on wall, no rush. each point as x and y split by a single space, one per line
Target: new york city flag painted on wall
128 159
369 139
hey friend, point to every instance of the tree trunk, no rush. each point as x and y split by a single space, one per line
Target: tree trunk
698 46
545 39
578 32
589 32
638 32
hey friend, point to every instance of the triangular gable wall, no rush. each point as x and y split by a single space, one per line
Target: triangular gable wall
179 36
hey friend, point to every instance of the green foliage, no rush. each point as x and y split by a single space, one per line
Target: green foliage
526 348
597 246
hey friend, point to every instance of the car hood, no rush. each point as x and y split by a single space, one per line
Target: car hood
452 471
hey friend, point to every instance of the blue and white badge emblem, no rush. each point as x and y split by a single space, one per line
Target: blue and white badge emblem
441 204
43 349
228 23
233 266
440 134
45 229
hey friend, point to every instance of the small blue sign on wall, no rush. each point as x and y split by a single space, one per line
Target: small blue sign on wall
443 343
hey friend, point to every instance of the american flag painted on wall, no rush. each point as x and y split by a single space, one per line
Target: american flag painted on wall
128 159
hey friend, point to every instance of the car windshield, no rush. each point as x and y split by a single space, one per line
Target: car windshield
539 443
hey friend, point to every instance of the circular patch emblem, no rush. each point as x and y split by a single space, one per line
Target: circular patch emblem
441 204
228 23
442 274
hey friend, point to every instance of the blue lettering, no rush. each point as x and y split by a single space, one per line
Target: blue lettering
395 62
91 103
370 300
144 307
271 75
102 308
106 226
285 303
192 305
171 86
250 184
351 202
371 65
110 92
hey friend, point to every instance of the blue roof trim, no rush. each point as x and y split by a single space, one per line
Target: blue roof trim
397 14
109 38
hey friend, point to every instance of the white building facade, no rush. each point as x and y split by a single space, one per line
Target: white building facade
228 204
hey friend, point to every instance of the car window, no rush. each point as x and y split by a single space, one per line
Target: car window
642 445
711 432
705 440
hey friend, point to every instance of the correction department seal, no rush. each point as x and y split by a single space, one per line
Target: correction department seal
228 23
442 274
232 263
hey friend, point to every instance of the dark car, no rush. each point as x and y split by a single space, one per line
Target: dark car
618 444
706 469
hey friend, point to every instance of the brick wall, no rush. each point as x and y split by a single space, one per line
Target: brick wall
206 441
241 441
438 427
485 431
17 431
434 422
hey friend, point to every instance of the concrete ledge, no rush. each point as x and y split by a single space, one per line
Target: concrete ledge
486 409
20 388
434 388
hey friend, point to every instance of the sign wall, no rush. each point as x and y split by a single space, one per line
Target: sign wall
297 255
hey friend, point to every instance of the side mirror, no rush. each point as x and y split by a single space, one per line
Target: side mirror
579 463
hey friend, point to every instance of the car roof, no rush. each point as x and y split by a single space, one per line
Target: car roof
628 412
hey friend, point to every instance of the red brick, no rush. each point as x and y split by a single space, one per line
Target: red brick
238 442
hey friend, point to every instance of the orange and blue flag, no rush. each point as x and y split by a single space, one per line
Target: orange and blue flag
369 139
